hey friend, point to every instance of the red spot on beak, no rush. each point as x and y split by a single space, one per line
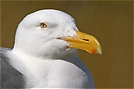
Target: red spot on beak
93 51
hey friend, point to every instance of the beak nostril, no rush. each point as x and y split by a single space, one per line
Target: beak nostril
86 39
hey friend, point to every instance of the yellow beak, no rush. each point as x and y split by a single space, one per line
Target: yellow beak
85 42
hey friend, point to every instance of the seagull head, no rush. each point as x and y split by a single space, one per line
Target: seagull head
52 34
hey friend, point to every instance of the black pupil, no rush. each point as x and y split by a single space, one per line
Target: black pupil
43 24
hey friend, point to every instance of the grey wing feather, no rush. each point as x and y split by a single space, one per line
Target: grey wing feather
10 77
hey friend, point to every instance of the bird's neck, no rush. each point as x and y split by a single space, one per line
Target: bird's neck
35 63
38 68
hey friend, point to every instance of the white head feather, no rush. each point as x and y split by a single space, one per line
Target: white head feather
59 24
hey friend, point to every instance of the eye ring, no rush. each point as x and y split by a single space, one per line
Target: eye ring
43 25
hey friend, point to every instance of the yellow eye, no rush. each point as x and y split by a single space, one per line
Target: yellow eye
43 25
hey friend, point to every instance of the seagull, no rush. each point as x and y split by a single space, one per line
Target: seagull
45 53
